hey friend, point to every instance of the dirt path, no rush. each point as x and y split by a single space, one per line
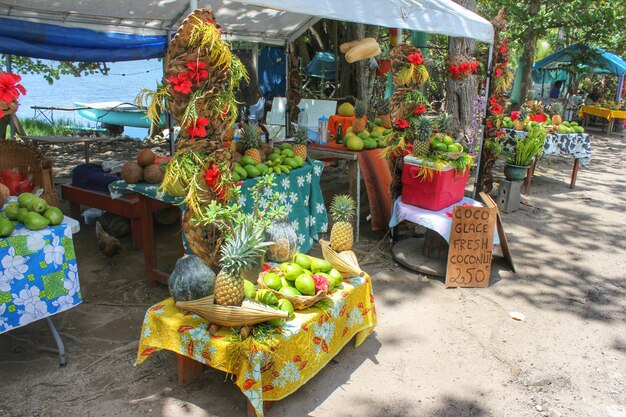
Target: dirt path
435 352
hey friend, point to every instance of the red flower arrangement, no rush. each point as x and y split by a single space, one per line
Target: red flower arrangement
197 128
197 71
461 66
402 123
420 109
539 117
181 83
497 109
10 89
416 58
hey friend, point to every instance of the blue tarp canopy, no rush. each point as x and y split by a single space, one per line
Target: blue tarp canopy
46 41
552 67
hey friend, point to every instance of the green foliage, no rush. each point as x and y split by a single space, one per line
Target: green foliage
52 70
526 148
35 127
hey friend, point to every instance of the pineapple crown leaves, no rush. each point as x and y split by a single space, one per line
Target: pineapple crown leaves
444 122
243 249
250 135
423 127
300 136
360 108
384 108
342 208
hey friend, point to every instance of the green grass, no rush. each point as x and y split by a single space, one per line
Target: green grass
36 127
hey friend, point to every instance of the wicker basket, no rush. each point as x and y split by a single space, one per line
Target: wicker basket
250 312
345 261
299 302
29 160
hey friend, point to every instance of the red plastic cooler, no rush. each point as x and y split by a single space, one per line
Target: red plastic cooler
444 189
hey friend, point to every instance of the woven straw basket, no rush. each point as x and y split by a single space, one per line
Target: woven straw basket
29 160
250 312
300 302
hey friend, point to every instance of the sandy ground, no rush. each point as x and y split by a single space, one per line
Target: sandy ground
435 352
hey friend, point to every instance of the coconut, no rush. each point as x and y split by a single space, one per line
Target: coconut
4 194
132 172
145 157
153 174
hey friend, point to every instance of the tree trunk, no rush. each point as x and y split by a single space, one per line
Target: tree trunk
460 94
528 55
364 74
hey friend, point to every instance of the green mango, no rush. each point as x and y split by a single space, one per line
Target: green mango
247 160
25 198
35 221
53 214
263 169
6 227
286 146
287 152
21 213
243 174
292 162
299 160
38 205
236 177
252 171
249 289
11 210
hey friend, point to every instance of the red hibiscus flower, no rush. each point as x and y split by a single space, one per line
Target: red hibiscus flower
454 70
539 118
464 67
10 90
493 100
503 49
420 109
500 133
497 109
212 175
514 115
498 72
181 83
475 66
197 71
198 127
416 58
489 124
402 124
1 114
408 150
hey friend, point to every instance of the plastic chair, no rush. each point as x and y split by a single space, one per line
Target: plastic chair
257 111
322 69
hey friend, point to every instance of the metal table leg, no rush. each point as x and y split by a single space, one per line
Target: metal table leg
358 201
57 339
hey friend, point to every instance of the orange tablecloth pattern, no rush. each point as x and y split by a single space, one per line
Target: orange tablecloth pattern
270 367
346 122
603 112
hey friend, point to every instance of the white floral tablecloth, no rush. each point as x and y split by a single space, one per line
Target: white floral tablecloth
38 274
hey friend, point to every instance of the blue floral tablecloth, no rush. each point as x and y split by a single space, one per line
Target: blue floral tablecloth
576 144
300 192
38 275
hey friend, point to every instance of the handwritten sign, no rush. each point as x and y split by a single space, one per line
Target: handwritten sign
471 242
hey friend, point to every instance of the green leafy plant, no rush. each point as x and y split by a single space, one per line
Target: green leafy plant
526 148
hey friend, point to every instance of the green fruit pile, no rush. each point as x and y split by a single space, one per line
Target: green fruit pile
280 161
267 297
30 210
298 276
445 143
376 137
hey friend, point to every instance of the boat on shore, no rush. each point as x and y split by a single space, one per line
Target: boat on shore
116 113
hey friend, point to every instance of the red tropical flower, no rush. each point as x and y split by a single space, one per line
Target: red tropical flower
475 66
454 70
515 115
402 124
197 128
493 100
1 114
197 71
464 67
10 90
496 109
416 58
539 118
503 49
420 109
500 133
212 175
321 283
498 72
181 83
489 124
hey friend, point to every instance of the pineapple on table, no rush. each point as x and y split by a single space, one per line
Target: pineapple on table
359 124
556 118
300 140
342 212
424 130
250 141
240 252
519 123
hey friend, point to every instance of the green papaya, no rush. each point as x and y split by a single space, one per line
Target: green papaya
299 160
38 205
53 214
6 227
11 210
247 160
252 171
243 174
292 163
35 221
25 198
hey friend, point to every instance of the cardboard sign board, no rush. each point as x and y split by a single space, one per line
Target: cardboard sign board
504 242
471 243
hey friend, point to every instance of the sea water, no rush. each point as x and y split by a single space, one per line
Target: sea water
123 82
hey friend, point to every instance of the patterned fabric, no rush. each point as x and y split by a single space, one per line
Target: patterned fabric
267 369
300 192
439 221
576 144
38 275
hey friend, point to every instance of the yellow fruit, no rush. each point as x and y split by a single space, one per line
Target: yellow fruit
254 154
341 236
300 150
346 110
359 125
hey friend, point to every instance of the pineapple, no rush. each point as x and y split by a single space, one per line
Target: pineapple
359 123
385 116
557 108
342 212
424 129
300 139
239 252
519 123
444 123
250 140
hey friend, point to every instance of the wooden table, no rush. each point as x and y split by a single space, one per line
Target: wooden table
62 140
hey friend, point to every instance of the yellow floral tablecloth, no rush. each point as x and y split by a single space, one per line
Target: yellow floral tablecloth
275 363
605 113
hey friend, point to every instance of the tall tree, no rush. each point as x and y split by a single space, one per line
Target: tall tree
460 94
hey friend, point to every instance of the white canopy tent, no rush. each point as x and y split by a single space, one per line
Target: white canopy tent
270 21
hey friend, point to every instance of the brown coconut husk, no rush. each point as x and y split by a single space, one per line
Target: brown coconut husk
180 42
